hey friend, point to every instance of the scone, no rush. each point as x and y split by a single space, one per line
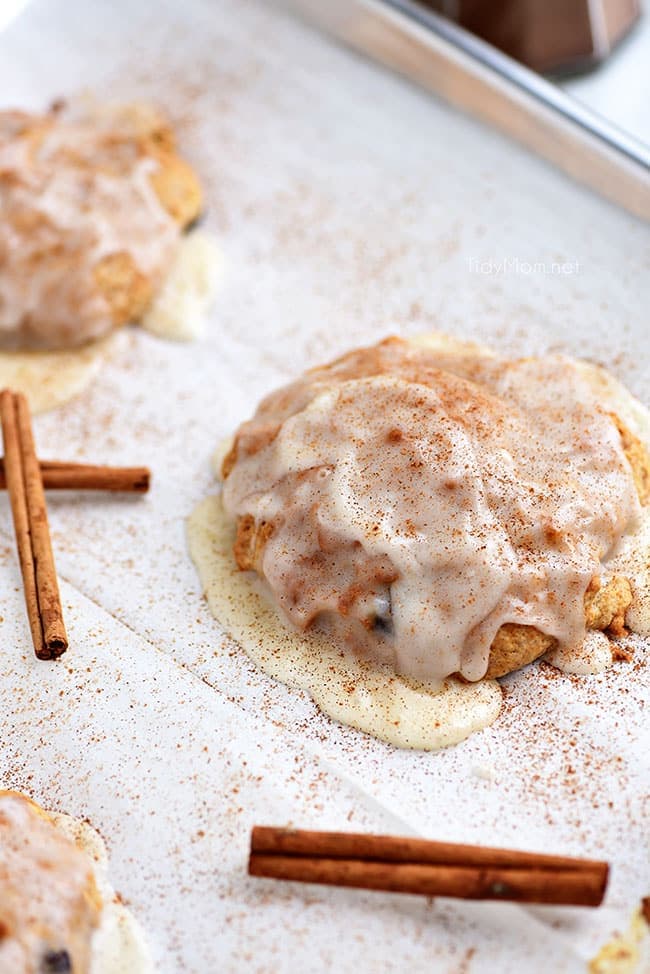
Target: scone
440 509
49 902
58 911
93 200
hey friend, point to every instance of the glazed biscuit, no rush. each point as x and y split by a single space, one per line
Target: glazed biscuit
93 200
49 903
410 455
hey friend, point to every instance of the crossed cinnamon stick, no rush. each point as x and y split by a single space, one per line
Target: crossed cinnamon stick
59 475
25 478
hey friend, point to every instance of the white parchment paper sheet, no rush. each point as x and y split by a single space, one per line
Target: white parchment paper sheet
349 205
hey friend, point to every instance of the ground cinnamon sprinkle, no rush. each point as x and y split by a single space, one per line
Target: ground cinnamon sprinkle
622 654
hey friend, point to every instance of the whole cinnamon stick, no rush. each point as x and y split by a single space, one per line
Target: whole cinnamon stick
18 499
405 865
59 475
47 586
32 528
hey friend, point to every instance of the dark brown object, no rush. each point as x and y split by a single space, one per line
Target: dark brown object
58 475
403 865
31 525
547 35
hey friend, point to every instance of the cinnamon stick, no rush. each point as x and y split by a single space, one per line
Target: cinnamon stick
47 586
18 499
406 865
59 475
32 528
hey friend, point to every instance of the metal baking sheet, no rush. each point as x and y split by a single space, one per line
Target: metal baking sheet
348 205
438 54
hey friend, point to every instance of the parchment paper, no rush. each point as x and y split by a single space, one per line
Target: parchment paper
348 206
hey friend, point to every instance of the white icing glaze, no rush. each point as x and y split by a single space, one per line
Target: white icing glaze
179 309
369 697
448 489
74 188
118 944
592 655
49 379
